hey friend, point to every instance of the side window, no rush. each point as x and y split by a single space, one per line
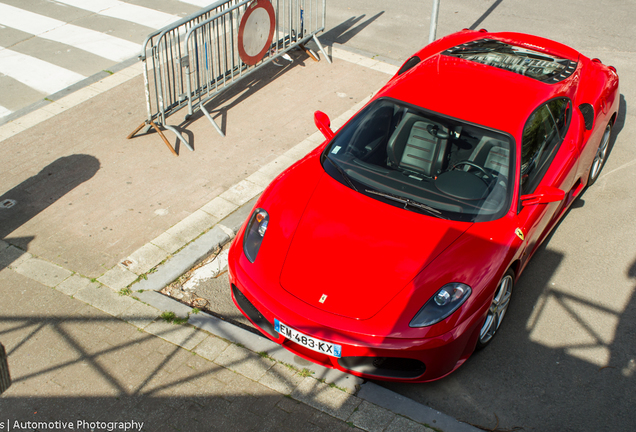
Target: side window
539 142
561 110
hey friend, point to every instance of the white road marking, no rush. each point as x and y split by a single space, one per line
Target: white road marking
124 11
38 74
103 45
200 3
4 111
625 165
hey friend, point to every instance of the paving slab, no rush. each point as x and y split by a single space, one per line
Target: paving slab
144 258
105 299
139 314
73 284
211 347
43 271
192 226
243 361
321 396
242 192
220 207
185 336
163 303
168 242
282 378
118 278
371 418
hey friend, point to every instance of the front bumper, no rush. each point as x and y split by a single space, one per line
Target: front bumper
367 356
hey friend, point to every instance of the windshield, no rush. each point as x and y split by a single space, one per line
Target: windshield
423 162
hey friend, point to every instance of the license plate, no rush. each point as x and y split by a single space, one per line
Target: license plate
307 341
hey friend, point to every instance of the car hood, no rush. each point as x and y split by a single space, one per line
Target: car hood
351 254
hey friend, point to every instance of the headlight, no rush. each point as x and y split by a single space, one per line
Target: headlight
446 301
254 233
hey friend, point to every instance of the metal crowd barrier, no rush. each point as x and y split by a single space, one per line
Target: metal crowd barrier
196 58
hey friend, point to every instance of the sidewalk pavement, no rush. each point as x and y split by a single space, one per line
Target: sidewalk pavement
94 225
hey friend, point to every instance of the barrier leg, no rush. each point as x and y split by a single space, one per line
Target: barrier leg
309 52
178 134
322 50
163 137
141 126
216 126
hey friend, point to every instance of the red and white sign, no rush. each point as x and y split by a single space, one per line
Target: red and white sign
256 31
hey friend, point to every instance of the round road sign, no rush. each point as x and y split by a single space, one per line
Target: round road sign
256 31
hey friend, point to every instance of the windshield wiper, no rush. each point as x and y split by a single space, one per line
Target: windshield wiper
342 173
408 202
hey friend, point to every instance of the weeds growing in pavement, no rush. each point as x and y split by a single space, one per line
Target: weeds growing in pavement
304 372
173 319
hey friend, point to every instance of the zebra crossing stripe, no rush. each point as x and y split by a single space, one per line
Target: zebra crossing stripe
124 11
200 3
95 42
35 73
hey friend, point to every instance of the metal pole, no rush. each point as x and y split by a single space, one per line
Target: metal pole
5 378
431 34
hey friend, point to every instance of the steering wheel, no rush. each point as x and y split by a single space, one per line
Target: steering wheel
487 176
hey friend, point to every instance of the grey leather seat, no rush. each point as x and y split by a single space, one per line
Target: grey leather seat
493 155
414 148
498 160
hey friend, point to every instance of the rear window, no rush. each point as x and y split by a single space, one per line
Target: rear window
523 61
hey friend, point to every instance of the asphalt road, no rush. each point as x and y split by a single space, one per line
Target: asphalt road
564 359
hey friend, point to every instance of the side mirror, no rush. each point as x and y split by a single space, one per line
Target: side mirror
323 124
543 195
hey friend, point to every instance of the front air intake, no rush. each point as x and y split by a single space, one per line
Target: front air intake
386 367
252 313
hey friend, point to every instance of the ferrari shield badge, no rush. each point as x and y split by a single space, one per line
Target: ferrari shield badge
323 298
519 233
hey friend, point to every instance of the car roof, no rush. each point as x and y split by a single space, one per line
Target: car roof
475 92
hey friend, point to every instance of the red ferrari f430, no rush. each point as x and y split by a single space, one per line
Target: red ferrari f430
391 251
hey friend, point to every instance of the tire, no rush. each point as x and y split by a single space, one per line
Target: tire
600 157
497 310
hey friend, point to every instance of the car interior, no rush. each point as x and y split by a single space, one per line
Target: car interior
450 165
